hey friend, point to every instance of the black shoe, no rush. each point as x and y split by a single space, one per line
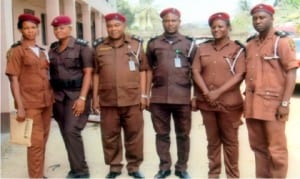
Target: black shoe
162 174
182 174
112 175
136 174
72 174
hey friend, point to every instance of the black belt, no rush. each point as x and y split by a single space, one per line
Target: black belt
59 84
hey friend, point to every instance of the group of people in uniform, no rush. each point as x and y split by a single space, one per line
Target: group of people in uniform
170 79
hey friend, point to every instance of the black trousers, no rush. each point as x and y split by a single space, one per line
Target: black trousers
70 128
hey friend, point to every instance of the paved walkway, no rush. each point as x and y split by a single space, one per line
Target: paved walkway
14 157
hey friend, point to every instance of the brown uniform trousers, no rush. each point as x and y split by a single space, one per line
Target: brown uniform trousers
222 129
222 122
37 99
66 78
265 83
130 119
161 118
170 96
40 130
120 96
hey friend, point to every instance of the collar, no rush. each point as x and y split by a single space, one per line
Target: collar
270 35
226 43
125 40
176 37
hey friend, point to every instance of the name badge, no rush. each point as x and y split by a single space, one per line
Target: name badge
131 65
177 62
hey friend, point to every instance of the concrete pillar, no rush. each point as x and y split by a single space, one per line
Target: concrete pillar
7 26
52 10
99 24
86 22
70 10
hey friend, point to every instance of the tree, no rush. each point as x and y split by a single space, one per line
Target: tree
124 7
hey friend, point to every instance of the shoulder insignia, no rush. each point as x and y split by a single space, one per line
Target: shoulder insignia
281 33
54 45
41 48
189 38
81 42
251 37
98 41
240 44
16 44
138 38
8 54
152 38
208 41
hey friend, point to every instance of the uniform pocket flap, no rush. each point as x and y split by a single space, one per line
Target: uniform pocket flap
268 94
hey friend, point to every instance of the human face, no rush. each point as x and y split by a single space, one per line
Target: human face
262 21
29 30
62 32
115 29
171 23
219 29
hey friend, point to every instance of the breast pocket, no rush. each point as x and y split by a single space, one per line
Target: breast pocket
72 61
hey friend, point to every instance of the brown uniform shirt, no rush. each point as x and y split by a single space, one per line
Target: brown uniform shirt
119 71
265 78
32 72
216 67
170 84
68 64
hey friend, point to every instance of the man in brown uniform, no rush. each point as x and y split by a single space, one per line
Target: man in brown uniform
218 70
27 69
169 81
270 80
119 82
71 65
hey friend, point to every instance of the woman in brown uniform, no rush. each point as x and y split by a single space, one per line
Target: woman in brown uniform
218 69
27 70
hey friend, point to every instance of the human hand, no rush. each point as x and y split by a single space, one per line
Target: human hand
282 113
96 105
194 104
213 95
20 115
143 103
78 107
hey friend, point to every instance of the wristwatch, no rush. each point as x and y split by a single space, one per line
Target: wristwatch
285 103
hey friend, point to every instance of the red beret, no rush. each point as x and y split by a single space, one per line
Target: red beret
115 16
219 15
28 17
61 20
169 10
262 7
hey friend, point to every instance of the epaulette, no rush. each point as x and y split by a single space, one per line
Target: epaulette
240 44
81 42
54 45
189 38
41 48
16 44
251 37
138 38
152 38
208 41
98 41
281 33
